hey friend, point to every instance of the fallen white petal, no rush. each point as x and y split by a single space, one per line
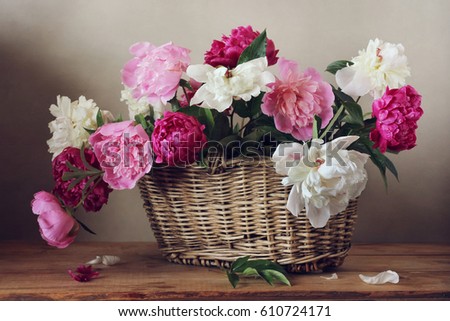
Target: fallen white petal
105 260
97 260
381 278
333 276
110 259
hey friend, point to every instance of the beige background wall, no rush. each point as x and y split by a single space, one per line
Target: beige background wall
77 48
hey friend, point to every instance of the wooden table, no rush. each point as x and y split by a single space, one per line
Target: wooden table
39 272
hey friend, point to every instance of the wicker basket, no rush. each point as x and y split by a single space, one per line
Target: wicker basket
210 220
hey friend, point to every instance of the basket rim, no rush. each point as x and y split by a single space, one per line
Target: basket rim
234 162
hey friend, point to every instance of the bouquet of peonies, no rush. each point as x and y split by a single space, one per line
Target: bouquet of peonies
243 95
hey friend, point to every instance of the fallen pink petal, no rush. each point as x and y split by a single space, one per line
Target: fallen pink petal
83 273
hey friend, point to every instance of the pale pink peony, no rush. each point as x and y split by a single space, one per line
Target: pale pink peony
177 139
227 51
124 153
295 98
397 113
155 72
56 226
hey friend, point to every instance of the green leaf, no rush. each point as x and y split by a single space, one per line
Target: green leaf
221 127
391 167
241 108
233 278
266 276
84 226
227 139
67 176
249 271
88 184
271 275
191 111
90 131
338 65
257 133
365 145
74 183
88 166
185 84
317 123
71 167
342 96
175 103
265 265
267 270
256 49
208 117
99 119
255 105
235 267
140 119
354 112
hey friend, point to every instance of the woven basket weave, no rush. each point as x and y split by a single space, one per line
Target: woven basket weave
211 220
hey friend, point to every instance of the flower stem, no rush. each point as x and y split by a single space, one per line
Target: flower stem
231 119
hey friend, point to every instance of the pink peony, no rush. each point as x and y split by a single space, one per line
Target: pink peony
295 98
98 192
397 113
124 153
177 139
227 52
56 226
155 72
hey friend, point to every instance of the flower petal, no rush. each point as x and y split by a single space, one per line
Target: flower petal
353 82
295 203
199 72
381 278
318 217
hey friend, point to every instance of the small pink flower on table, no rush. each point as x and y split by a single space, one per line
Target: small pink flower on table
56 226
295 98
397 113
83 273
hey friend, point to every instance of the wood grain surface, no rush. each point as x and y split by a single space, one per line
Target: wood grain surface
39 272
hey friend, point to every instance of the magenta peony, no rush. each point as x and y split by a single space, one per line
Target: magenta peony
56 226
177 139
98 192
155 72
295 98
227 51
124 153
397 113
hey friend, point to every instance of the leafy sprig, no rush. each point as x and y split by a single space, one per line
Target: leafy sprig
265 269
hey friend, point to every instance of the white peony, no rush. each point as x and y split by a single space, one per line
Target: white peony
324 177
222 85
382 64
71 121
141 106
